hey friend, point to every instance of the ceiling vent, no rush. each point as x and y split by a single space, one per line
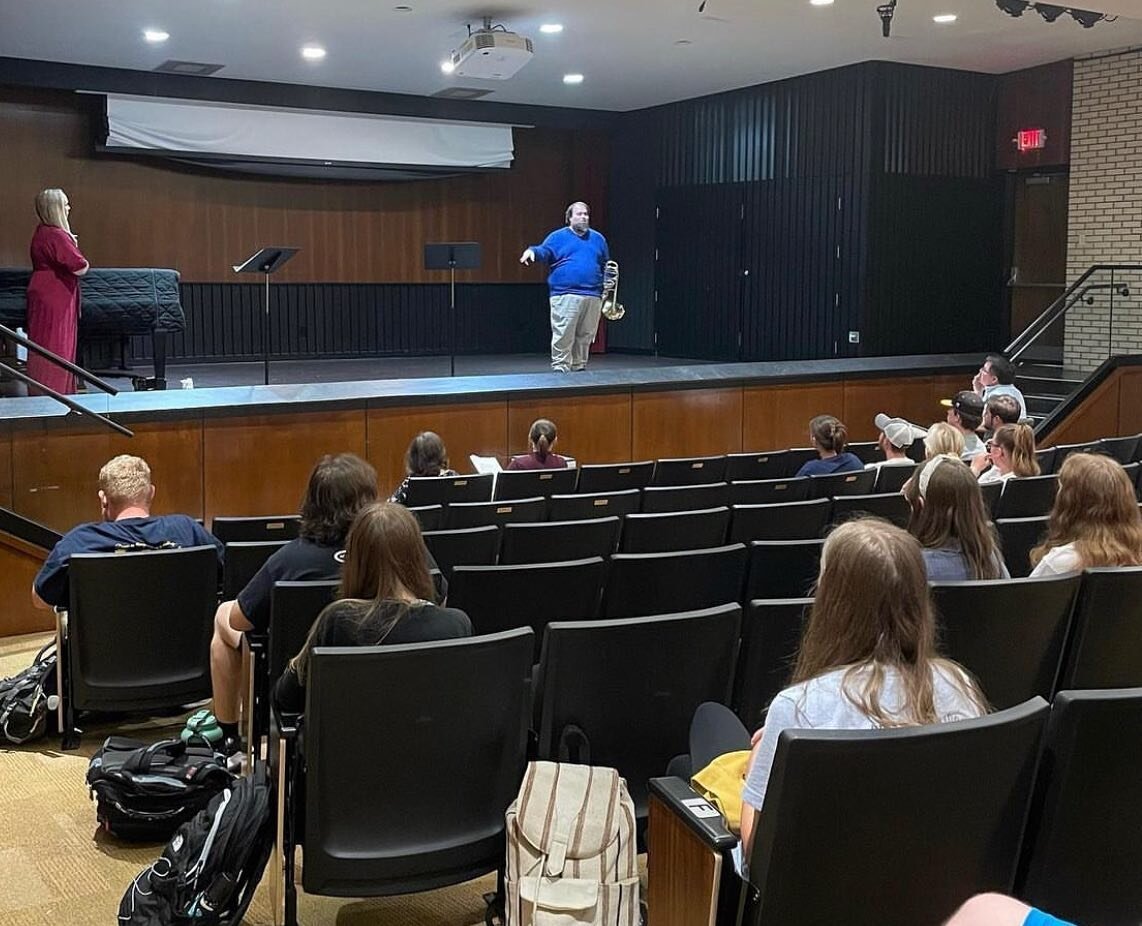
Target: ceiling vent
191 68
461 93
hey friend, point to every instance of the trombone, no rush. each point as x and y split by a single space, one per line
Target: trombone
612 309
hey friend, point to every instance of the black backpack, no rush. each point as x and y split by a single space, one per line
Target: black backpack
146 792
27 699
208 872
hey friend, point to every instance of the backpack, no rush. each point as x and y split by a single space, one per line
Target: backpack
146 792
571 852
208 872
27 698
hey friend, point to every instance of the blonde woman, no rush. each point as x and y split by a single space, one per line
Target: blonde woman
943 438
53 291
1094 521
1011 453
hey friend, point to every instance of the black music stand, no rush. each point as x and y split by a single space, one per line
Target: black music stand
452 256
266 261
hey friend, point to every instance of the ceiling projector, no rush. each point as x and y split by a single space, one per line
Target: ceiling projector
491 54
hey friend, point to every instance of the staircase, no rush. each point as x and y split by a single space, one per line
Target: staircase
1045 385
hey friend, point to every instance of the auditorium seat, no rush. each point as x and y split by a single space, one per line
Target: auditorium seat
481 514
661 499
771 637
678 530
858 483
1008 633
1045 457
1026 497
782 568
1082 854
792 521
614 477
528 483
472 546
254 530
990 491
555 541
866 451
689 471
639 584
769 464
769 491
892 478
241 562
1105 648
891 506
621 693
430 517
593 505
1062 451
1131 470
445 490
1017 537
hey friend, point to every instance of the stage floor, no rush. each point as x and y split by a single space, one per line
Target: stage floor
368 368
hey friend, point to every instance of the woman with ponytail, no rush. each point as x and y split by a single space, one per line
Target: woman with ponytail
829 438
541 439
1011 452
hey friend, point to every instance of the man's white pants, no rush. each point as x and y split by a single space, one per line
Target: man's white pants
574 320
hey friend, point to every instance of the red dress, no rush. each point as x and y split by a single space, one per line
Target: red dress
53 304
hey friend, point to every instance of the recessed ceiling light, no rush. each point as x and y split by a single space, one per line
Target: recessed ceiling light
155 36
312 52
683 42
447 66
551 28
944 18
821 2
572 78
402 9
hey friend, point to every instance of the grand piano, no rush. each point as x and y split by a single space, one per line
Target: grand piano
117 303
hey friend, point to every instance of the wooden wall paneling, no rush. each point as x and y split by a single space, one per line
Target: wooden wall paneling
775 417
1129 401
5 465
260 464
911 398
686 422
19 563
1095 417
592 429
55 470
173 450
945 387
466 428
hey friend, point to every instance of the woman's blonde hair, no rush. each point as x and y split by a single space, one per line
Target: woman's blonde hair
51 207
1019 442
872 613
386 563
943 438
951 512
1096 510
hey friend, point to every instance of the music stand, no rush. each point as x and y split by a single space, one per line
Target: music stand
266 261
452 256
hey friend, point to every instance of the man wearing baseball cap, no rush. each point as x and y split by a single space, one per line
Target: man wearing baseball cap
896 436
965 414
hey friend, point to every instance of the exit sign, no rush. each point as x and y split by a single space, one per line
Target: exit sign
1031 139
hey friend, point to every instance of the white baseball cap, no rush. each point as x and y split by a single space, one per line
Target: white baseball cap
900 433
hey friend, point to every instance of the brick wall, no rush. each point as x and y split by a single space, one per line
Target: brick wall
1105 210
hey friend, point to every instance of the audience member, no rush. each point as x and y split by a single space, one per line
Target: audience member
950 521
339 486
541 439
997 377
965 414
1001 910
829 438
943 438
385 596
426 456
125 497
896 436
998 411
1010 453
868 656
1094 521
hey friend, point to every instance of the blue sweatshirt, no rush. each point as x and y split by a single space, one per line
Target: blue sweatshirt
576 264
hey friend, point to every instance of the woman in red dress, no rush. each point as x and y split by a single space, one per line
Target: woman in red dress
53 291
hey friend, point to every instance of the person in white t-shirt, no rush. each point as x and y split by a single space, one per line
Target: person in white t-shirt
868 656
1094 521
1010 452
896 436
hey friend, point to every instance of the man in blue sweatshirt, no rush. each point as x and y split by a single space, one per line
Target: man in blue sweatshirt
575 256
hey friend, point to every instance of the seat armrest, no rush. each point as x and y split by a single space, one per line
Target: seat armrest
702 817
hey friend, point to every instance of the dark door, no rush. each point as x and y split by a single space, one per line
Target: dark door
1039 256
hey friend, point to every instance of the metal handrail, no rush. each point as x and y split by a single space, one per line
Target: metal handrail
1062 305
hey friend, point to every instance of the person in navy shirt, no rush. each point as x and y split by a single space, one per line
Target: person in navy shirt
575 256
125 497
830 438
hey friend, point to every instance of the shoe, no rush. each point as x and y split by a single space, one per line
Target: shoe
232 753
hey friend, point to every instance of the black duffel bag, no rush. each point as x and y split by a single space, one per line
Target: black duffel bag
144 793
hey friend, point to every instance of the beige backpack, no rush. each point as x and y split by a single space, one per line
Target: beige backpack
571 853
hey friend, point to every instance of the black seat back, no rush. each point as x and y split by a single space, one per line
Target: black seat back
429 517
444 490
621 693
990 491
639 584
556 541
834 484
661 499
471 546
866 451
769 464
782 568
891 478
1123 449
254 530
615 477
481 514
770 491
1017 537
385 820
792 521
529 483
958 790
688 471
1009 633
771 636
593 505
1105 649
1082 854
679 530
1026 497
294 606
139 628
1046 460
891 506
242 562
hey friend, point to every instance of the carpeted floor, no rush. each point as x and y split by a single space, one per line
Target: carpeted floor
57 868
